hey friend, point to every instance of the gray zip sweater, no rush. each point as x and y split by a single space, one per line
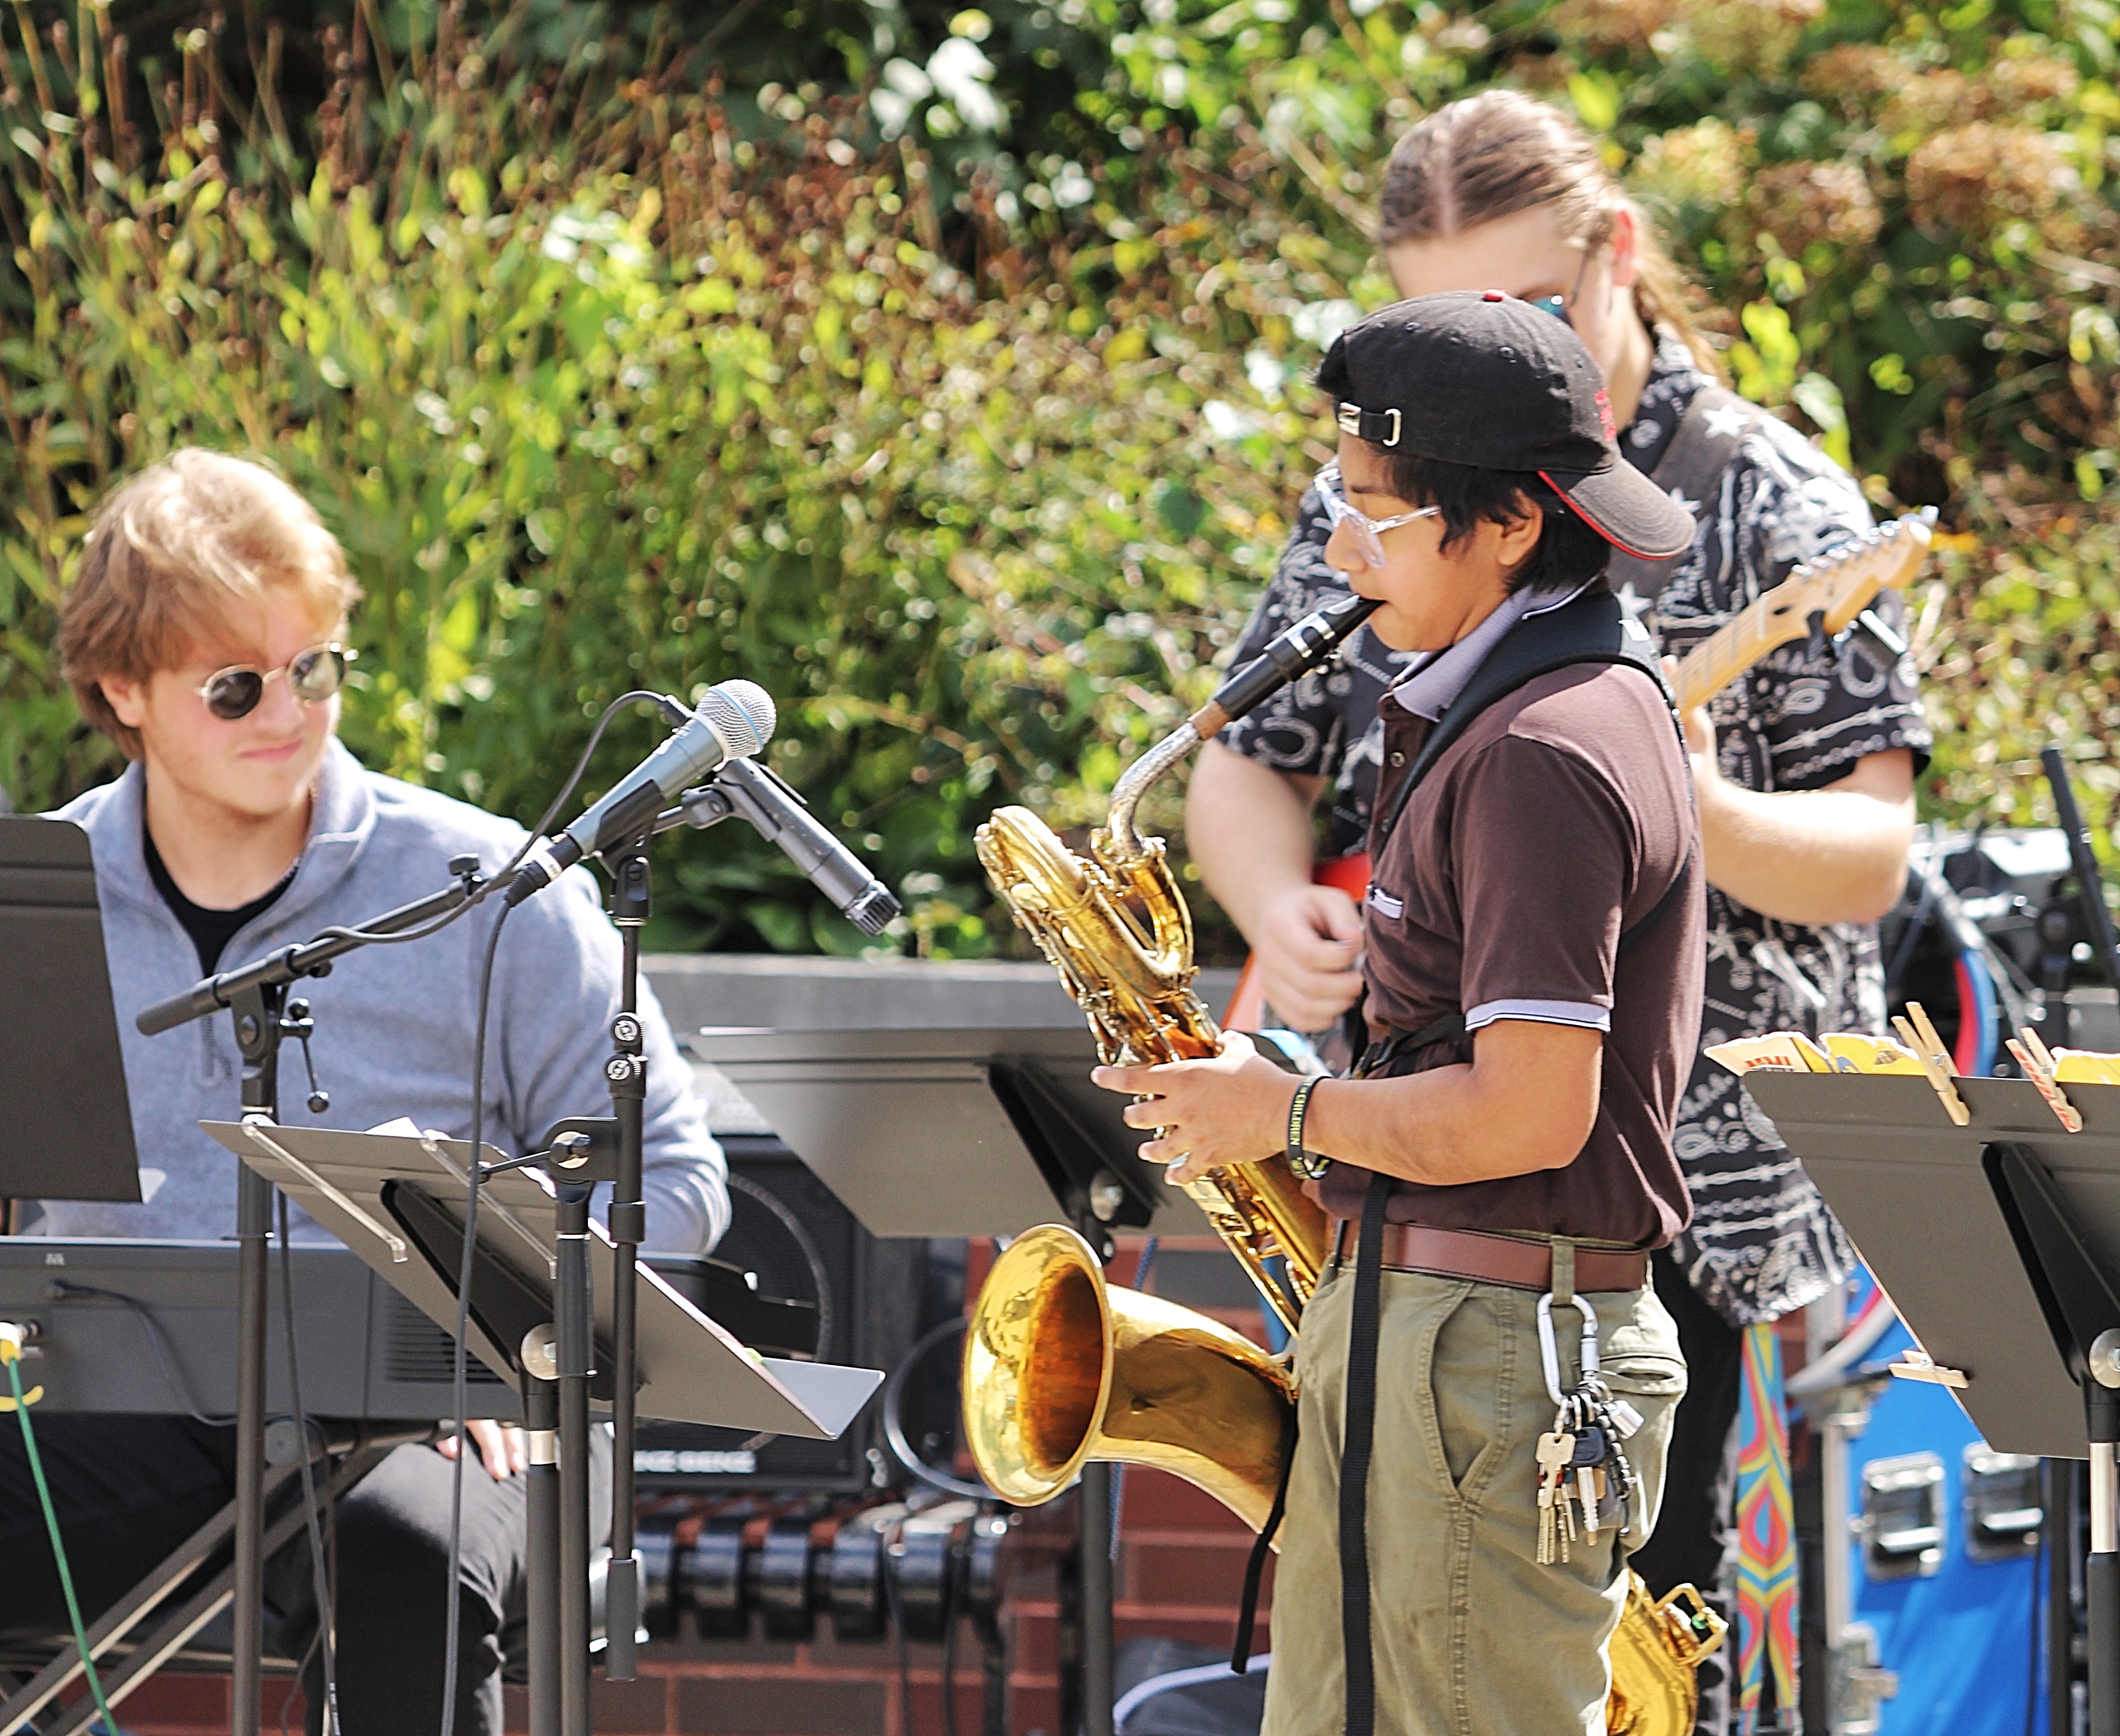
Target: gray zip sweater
394 1023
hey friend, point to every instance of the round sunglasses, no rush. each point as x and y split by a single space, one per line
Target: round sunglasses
314 675
1367 531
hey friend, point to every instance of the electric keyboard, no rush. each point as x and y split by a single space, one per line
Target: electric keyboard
149 1327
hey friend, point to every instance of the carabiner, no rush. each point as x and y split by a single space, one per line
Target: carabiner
1549 1355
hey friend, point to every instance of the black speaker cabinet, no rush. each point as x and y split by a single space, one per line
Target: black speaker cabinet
790 1234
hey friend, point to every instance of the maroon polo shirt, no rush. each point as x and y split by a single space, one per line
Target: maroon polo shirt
1556 820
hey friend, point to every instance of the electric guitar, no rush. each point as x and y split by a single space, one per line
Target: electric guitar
1822 601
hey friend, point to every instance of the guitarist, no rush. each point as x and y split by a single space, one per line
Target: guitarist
1803 769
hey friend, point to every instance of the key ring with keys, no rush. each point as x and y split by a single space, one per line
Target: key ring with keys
1548 1354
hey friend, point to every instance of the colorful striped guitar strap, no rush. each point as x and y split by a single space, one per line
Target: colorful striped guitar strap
1766 1534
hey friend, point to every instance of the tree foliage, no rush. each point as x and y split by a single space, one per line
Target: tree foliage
944 371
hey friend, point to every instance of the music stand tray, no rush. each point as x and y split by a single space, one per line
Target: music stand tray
68 1120
954 1132
397 1201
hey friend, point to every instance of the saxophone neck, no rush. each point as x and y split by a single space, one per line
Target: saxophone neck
1126 847
1295 652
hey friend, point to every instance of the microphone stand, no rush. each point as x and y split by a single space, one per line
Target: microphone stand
540 1423
260 1010
577 1364
256 995
626 1072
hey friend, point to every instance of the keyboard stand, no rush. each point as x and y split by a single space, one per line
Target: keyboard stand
128 1629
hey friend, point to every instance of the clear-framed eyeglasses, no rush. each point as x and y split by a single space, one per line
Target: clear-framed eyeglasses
314 675
1368 532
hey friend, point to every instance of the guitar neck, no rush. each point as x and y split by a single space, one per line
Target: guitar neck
1734 647
1830 593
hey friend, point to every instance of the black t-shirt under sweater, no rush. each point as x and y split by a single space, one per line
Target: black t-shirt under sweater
210 929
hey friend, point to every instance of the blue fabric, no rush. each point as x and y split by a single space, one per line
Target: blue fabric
394 1023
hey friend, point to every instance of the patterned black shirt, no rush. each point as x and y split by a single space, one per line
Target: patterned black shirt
1761 1242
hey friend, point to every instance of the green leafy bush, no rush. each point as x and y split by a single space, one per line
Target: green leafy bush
622 414
968 423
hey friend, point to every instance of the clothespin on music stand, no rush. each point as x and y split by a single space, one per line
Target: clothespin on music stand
2037 1061
1916 1364
1919 1035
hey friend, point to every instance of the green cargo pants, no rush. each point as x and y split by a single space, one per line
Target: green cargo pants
1471 1634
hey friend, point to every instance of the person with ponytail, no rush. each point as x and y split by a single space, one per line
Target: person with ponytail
1803 769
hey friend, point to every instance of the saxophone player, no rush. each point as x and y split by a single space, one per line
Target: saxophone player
1487 1380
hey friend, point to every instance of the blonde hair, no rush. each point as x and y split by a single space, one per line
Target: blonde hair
173 555
1501 152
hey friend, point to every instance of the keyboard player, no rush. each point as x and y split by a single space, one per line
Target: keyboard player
205 635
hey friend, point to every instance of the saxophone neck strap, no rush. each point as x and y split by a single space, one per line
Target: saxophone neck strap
1240 1653
1595 629
1357 1449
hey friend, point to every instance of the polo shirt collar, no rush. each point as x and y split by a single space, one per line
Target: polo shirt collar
1429 688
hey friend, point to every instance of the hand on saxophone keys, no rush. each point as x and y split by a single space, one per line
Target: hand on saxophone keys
1229 1108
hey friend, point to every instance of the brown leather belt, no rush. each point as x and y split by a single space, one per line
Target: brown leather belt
1517 1262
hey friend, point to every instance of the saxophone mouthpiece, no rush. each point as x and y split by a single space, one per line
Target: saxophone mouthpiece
1290 654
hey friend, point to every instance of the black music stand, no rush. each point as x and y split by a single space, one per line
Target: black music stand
954 1132
397 1201
1994 1241
67 1120
971 1133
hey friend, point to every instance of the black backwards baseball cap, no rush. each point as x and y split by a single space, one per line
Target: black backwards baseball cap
1480 378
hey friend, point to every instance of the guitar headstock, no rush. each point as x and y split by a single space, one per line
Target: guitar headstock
1839 587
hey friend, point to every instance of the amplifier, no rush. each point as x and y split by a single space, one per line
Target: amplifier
799 1245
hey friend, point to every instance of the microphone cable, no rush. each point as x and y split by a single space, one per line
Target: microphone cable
459 1365
150 1323
367 937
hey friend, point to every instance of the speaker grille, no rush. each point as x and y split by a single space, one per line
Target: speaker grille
791 1230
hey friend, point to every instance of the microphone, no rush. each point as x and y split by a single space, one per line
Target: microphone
777 812
734 722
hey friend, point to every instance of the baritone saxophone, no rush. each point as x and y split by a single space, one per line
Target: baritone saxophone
1117 929
1060 1367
